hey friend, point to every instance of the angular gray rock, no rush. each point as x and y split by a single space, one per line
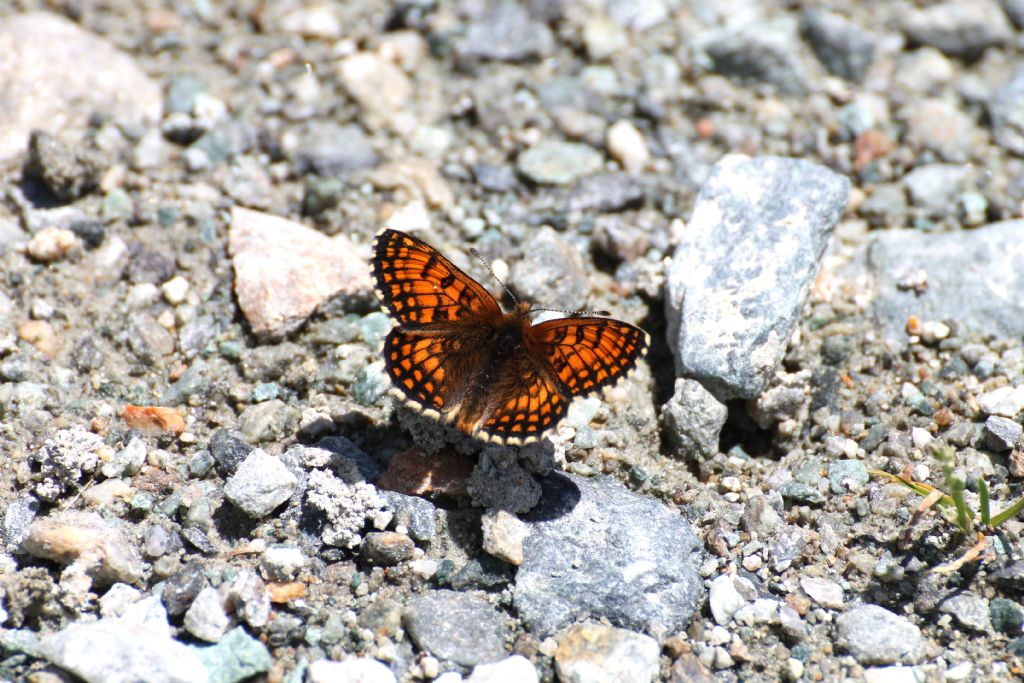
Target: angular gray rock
1006 109
598 550
973 277
739 278
457 627
692 420
874 635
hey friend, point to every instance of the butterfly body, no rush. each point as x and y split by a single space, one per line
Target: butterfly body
455 355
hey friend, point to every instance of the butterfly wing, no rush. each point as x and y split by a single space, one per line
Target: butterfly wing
525 406
587 354
421 288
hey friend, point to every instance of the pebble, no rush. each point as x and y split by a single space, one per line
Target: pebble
1006 616
969 610
935 186
284 270
692 420
551 272
731 311
504 32
386 548
87 540
250 599
228 452
1005 401
45 86
318 20
597 653
421 182
457 627
206 618
117 599
1006 110
826 593
40 334
260 484
175 290
283 562
1002 433
940 126
874 635
515 668
379 87
597 549
606 192
759 53
846 476
350 670
626 144
416 514
237 657
961 28
328 149
603 37
503 536
558 163
761 517
980 304
846 49
51 244
182 587
68 169
135 647
893 674
724 600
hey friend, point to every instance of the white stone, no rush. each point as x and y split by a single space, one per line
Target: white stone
626 144
175 290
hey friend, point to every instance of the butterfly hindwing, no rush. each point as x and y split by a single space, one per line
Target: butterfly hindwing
589 353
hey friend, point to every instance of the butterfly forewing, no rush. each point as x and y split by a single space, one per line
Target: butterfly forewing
589 353
420 287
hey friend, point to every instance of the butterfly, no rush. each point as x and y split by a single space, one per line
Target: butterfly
458 357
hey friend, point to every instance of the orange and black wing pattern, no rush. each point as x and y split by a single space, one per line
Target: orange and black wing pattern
587 354
524 414
420 287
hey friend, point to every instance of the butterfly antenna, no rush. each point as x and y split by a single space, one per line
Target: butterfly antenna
487 265
571 313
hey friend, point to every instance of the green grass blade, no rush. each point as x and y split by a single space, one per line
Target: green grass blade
983 501
1008 513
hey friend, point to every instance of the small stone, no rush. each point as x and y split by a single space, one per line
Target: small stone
422 184
284 270
963 28
87 540
328 149
1004 401
51 244
558 163
551 270
874 635
504 32
845 476
260 484
846 49
416 514
969 610
182 587
724 600
603 37
206 618
379 87
40 334
1006 109
607 192
692 420
349 670
456 627
228 452
826 593
942 127
118 598
761 52
516 668
893 674
283 562
238 656
386 548
1002 433
250 598
626 144
504 534
595 652
1006 615
760 517
175 290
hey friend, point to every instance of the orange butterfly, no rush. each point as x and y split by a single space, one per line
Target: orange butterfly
459 358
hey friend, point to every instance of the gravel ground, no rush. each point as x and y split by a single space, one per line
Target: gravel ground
813 210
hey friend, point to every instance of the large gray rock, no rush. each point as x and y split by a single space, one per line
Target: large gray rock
874 635
974 277
598 550
740 276
457 627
